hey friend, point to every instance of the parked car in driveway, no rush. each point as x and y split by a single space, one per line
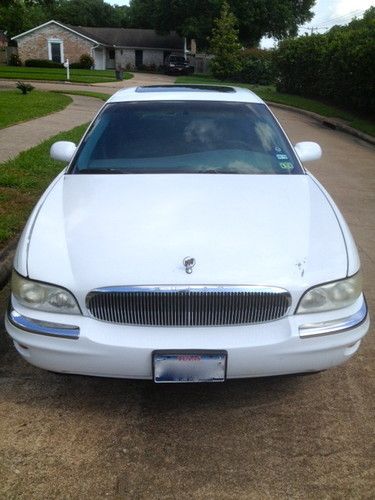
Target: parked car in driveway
186 242
177 65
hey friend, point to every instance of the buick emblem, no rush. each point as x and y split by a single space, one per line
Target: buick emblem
189 263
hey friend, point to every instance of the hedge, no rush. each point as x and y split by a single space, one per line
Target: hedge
42 63
338 66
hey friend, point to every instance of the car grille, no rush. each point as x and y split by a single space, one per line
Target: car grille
192 306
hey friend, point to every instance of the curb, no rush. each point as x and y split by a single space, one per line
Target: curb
6 261
328 122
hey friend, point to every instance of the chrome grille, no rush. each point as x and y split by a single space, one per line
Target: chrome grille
192 306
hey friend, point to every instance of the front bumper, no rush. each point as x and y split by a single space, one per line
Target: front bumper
83 345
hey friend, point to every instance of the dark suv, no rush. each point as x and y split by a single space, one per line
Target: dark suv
177 65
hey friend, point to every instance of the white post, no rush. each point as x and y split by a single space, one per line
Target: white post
66 64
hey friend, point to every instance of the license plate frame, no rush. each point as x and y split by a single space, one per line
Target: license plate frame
181 366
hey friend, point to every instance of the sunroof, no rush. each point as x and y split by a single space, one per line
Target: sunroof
185 88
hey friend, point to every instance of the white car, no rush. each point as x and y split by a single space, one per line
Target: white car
186 242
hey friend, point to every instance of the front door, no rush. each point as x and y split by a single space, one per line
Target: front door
138 58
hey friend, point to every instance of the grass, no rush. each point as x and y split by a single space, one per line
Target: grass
269 93
16 108
59 74
96 95
24 178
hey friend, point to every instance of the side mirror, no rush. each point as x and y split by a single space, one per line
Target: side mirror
308 151
63 151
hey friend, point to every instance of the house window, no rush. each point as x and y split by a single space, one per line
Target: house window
111 53
56 50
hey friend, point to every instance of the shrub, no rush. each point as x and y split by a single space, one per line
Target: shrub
86 61
42 63
257 67
338 66
24 87
14 60
75 65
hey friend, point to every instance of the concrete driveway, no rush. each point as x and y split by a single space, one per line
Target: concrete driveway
283 437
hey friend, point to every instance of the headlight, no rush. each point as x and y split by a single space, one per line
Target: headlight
331 296
42 297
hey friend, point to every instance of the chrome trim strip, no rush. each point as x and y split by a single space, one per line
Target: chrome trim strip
334 326
42 327
193 288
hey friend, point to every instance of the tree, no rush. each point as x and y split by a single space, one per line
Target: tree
17 16
225 45
195 18
87 13
20 15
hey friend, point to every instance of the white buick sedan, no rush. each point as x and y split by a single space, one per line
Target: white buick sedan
186 242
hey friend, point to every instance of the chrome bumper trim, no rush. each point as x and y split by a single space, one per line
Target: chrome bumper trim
42 327
335 326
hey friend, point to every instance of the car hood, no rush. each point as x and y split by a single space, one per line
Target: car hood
107 230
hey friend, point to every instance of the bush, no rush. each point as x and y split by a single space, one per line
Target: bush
338 66
24 87
42 63
257 67
75 65
14 60
86 61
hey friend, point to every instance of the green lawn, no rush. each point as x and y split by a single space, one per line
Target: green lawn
269 93
16 107
24 178
96 95
58 74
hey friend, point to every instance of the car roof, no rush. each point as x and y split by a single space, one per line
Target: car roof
181 92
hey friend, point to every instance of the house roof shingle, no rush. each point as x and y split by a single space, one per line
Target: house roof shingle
127 37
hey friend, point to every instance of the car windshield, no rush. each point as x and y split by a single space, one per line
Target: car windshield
185 137
178 59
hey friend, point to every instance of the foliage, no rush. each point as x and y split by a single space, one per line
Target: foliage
338 66
86 61
89 13
17 16
42 63
268 93
225 46
14 60
15 109
195 18
24 87
24 178
257 67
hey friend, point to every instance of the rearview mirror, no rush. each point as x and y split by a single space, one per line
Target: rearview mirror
308 151
63 151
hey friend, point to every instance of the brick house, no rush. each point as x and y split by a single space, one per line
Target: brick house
109 47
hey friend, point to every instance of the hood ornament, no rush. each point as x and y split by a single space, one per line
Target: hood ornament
189 263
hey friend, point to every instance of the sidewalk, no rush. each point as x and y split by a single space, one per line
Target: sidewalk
105 88
23 136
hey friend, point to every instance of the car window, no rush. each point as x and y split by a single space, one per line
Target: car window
185 137
178 59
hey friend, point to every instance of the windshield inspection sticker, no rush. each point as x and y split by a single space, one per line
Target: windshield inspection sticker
281 157
286 165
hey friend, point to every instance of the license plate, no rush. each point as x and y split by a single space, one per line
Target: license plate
184 367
